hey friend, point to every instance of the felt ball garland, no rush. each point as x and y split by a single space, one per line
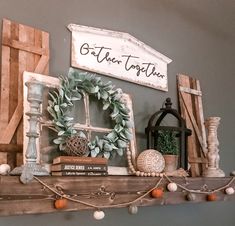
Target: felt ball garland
156 191
229 191
99 215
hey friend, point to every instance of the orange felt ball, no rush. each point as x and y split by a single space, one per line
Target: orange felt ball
157 193
61 203
212 197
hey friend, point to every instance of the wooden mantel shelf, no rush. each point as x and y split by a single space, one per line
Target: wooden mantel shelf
17 198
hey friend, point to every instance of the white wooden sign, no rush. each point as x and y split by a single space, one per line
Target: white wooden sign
118 55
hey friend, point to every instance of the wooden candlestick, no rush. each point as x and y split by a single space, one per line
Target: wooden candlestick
212 155
31 167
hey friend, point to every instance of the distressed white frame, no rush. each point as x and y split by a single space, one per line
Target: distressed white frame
118 54
53 82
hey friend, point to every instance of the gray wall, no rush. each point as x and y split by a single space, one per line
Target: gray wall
197 35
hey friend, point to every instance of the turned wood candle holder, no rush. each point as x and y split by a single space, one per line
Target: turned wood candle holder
31 167
213 157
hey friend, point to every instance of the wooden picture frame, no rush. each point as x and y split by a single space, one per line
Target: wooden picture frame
44 147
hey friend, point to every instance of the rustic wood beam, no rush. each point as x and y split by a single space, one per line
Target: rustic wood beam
18 199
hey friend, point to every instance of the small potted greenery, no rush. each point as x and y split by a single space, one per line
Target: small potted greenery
167 144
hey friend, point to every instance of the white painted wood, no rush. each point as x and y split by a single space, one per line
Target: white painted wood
191 91
53 82
117 170
48 81
118 55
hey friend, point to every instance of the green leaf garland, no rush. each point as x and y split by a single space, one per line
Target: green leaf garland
71 90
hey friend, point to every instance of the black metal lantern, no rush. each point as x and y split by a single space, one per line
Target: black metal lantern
181 131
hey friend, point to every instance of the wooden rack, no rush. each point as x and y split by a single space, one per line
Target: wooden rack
17 198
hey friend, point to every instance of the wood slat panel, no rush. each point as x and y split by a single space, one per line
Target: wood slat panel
5 77
192 111
23 47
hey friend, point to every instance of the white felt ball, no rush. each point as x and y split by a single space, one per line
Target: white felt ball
191 197
133 209
229 191
99 215
4 169
172 187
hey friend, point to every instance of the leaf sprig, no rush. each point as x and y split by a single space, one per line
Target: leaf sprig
72 89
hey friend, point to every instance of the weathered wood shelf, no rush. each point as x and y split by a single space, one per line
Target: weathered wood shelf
17 198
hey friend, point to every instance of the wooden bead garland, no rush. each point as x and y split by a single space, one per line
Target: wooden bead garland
139 173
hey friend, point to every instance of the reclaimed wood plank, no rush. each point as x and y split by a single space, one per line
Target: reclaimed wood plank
14 69
8 133
24 46
19 159
3 157
184 102
22 49
45 45
17 198
22 67
190 98
5 77
42 64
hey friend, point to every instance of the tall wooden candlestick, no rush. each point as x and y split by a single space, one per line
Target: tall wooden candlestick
31 167
213 169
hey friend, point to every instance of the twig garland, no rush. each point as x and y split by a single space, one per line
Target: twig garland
201 192
138 198
95 206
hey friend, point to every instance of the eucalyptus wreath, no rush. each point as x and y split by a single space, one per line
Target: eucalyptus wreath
72 89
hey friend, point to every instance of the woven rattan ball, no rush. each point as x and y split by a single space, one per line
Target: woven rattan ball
76 146
150 161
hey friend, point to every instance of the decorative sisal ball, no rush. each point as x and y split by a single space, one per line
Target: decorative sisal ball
99 215
76 146
150 161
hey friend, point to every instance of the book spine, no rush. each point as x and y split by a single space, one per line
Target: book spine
84 160
76 173
79 167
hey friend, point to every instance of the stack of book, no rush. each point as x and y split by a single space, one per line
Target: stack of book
79 166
